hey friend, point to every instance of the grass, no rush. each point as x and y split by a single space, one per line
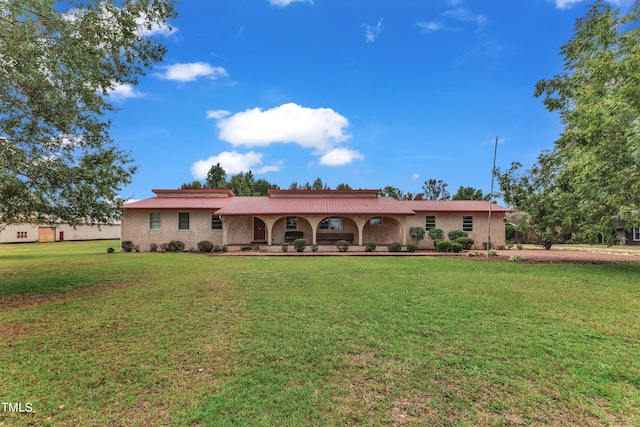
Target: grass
91 338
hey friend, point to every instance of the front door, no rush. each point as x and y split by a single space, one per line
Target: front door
259 230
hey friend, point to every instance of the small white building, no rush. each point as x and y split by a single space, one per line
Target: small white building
23 233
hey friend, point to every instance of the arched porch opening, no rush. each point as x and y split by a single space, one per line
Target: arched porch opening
382 230
291 224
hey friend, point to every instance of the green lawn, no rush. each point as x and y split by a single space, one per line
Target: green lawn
90 338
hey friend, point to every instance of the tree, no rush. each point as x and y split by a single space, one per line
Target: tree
589 179
417 233
262 187
216 177
193 185
469 193
57 67
343 186
392 192
435 190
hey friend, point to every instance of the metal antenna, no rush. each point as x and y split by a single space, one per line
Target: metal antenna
493 174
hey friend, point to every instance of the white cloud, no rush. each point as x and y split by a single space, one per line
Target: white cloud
320 129
432 26
465 15
121 91
232 162
372 32
415 176
191 71
283 3
217 114
340 156
566 4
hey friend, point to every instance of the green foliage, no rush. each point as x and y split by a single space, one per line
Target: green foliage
300 244
470 193
175 246
412 247
205 246
466 242
435 190
455 234
127 246
509 231
484 245
443 246
370 246
543 239
193 185
153 247
284 246
519 246
342 245
392 192
394 247
589 180
58 160
492 252
110 250
416 234
456 247
436 234
314 247
216 177
516 258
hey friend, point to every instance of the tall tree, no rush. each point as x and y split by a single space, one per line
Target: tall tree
262 187
343 186
58 64
469 193
591 177
392 192
216 177
435 190
193 185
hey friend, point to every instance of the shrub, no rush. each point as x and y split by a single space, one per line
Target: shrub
509 232
456 247
314 247
205 246
436 234
484 246
163 246
300 244
224 248
127 246
454 234
394 247
466 242
416 234
175 246
110 250
370 246
519 246
342 245
443 246
493 252
544 240
412 247
516 258
153 247
285 247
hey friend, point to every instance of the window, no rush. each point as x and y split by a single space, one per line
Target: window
430 222
22 235
467 223
331 223
636 234
183 220
155 220
292 222
376 220
216 222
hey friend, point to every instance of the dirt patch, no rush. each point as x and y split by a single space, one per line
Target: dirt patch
29 300
533 256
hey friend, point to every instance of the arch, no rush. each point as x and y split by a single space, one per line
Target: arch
388 231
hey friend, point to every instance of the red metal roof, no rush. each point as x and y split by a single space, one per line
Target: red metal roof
452 206
210 203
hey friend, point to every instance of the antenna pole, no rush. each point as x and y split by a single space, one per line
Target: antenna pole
493 174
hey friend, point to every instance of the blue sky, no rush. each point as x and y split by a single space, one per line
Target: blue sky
365 92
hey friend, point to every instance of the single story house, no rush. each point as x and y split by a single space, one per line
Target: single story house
319 216
29 233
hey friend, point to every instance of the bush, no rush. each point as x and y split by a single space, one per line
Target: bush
110 250
416 234
314 247
466 242
153 247
342 245
493 252
454 234
484 246
443 246
456 247
285 247
519 246
163 246
370 246
544 240
509 232
300 244
436 234
395 247
127 246
175 246
205 246
412 247
516 258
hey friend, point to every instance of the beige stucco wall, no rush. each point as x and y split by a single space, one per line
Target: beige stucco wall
135 227
449 221
9 233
